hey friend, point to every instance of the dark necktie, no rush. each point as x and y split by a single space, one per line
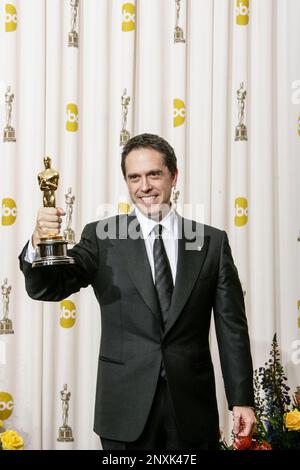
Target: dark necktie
163 274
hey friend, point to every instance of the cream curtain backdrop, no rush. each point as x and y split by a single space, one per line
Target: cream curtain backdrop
67 104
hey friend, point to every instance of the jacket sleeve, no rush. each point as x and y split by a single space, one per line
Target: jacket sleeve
55 283
232 332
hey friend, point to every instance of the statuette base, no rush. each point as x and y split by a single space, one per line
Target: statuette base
73 39
65 434
241 132
52 251
9 134
124 137
6 327
178 35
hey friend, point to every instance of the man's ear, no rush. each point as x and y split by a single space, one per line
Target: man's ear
175 179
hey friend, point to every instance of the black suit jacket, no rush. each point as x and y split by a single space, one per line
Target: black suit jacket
133 343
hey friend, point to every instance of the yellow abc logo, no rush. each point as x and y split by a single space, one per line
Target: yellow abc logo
241 211
128 17
6 405
10 18
67 314
72 117
242 12
9 211
179 112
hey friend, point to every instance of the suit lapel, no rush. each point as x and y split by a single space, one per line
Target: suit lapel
189 265
138 266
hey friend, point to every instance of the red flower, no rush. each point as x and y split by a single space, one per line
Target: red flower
265 446
247 443
260 445
242 443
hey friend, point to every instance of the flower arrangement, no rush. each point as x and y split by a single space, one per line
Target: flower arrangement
10 440
277 413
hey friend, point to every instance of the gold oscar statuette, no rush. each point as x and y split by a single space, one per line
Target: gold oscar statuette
6 326
52 250
73 37
9 134
65 431
241 129
178 31
124 134
68 233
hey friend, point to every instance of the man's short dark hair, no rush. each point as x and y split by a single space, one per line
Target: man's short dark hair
151 141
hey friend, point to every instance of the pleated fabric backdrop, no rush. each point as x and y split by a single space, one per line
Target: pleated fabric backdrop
67 104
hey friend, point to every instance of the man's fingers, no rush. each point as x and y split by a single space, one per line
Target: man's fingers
246 431
236 424
243 427
60 211
50 214
249 428
47 211
44 232
48 225
46 217
243 421
49 220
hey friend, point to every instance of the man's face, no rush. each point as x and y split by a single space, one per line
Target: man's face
149 181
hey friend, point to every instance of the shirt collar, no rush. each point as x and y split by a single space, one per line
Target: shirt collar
147 224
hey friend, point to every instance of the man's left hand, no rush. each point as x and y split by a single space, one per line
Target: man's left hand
243 421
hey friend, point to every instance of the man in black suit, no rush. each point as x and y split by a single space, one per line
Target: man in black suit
157 277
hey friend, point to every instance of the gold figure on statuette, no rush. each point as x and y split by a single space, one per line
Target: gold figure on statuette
52 250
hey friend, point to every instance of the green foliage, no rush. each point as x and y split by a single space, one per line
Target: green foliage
273 402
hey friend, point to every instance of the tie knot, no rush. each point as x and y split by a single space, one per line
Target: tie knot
158 230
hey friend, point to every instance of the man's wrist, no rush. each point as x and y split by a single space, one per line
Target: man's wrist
30 252
34 240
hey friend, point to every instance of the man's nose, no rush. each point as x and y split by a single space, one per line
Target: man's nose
145 185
